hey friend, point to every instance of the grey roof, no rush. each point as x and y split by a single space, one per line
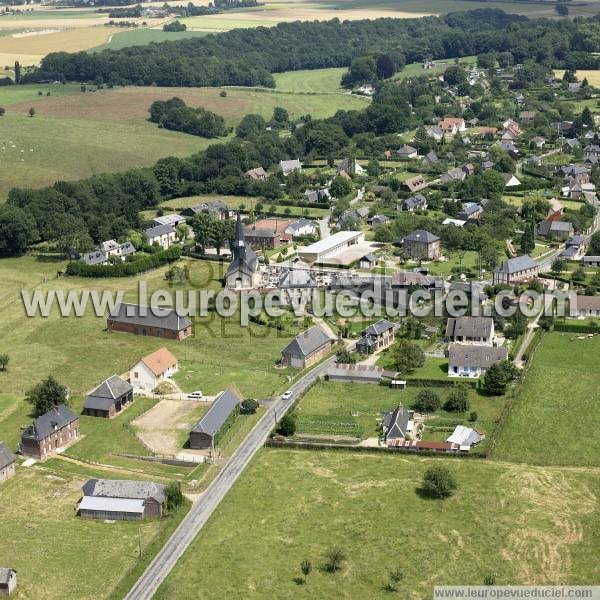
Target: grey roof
6 574
169 219
307 342
244 258
95 257
515 265
123 488
420 235
396 422
6 456
473 355
378 328
287 166
299 224
406 149
469 327
158 231
414 202
356 372
136 314
213 206
261 233
112 505
104 396
561 226
214 418
56 418
591 259
295 278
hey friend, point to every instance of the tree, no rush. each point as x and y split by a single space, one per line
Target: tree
559 265
287 425
345 356
528 238
46 395
17 231
407 356
280 116
250 125
334 560
562 10
248 406
4 360
498 377
458 400
438 482
173 495
17 72
385 66
32 112
340 187
2 111
427 401
306 568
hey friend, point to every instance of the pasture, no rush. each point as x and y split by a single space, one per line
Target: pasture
317 81
502 520
141 37
107 130
555 419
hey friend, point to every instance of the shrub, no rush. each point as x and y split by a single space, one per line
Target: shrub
427 401
458 400
287 425
334 559
438 482
248 406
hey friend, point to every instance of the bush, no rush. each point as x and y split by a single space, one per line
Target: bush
458 400
248 406
287 425
427 401
438 482
174 495
334 559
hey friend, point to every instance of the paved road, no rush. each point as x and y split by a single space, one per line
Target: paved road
165 560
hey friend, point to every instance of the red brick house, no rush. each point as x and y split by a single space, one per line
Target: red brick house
54 430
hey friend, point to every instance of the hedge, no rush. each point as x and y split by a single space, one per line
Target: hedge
444 383
127 268
575 327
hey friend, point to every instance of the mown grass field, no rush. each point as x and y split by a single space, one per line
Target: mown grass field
107 130
56 554
524 524
310 82
555 418
141 37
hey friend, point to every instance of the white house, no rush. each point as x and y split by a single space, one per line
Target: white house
163 235
301 227
152 370
473 360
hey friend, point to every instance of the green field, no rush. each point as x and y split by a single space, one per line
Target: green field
141 37
555 419
311 82
107 130
525 524
44 540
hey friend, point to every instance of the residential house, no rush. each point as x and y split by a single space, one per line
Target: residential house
243 271
368 261
152 370
510 180
591 151
216 209
486 165
8 581
257 174
473 360
465 437
471 211
109 398
170 219
585 306
568 146
472 330
121 500
453 175
406 280
161 235
415 184
422 245
416 202
435 132
534 160
350 166
516 270
147 320
452 125
8 462
399 424
556 230
377 220
575 247
205 433
430 158
289 166
509 148
591 261
527 116
101 255
376 337
262 238
51 432
301 228
407 152
538 141
307 348
320 195
488 131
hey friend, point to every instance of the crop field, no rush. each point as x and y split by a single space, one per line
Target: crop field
555 419
45 541
107 130
502 520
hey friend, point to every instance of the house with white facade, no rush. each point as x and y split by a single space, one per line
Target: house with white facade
152 370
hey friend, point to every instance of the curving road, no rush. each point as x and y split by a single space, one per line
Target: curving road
157 571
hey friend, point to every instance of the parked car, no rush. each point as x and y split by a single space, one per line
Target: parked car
197 395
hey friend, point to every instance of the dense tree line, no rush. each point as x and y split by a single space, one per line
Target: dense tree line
249 56
173 114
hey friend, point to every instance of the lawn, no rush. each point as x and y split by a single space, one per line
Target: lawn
417 70
289 506
555 418
56 554
311 82
434 368
107 130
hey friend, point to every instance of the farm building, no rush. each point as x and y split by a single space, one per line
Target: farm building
465 437
8 581
109 398
307 348
146 320
205 433
53 431
121 500
7 462
355 373
472 360
153 369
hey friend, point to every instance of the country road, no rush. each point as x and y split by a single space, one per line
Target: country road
157 571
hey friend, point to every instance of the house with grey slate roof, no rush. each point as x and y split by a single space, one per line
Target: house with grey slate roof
146 320
473 360
213 423
109 398
422 245
53 431
516 270
307 348
376 337
398 424
7 462
121 500
289 166
471 330
8 581
161 235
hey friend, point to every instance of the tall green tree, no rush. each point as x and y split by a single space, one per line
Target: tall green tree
46 395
